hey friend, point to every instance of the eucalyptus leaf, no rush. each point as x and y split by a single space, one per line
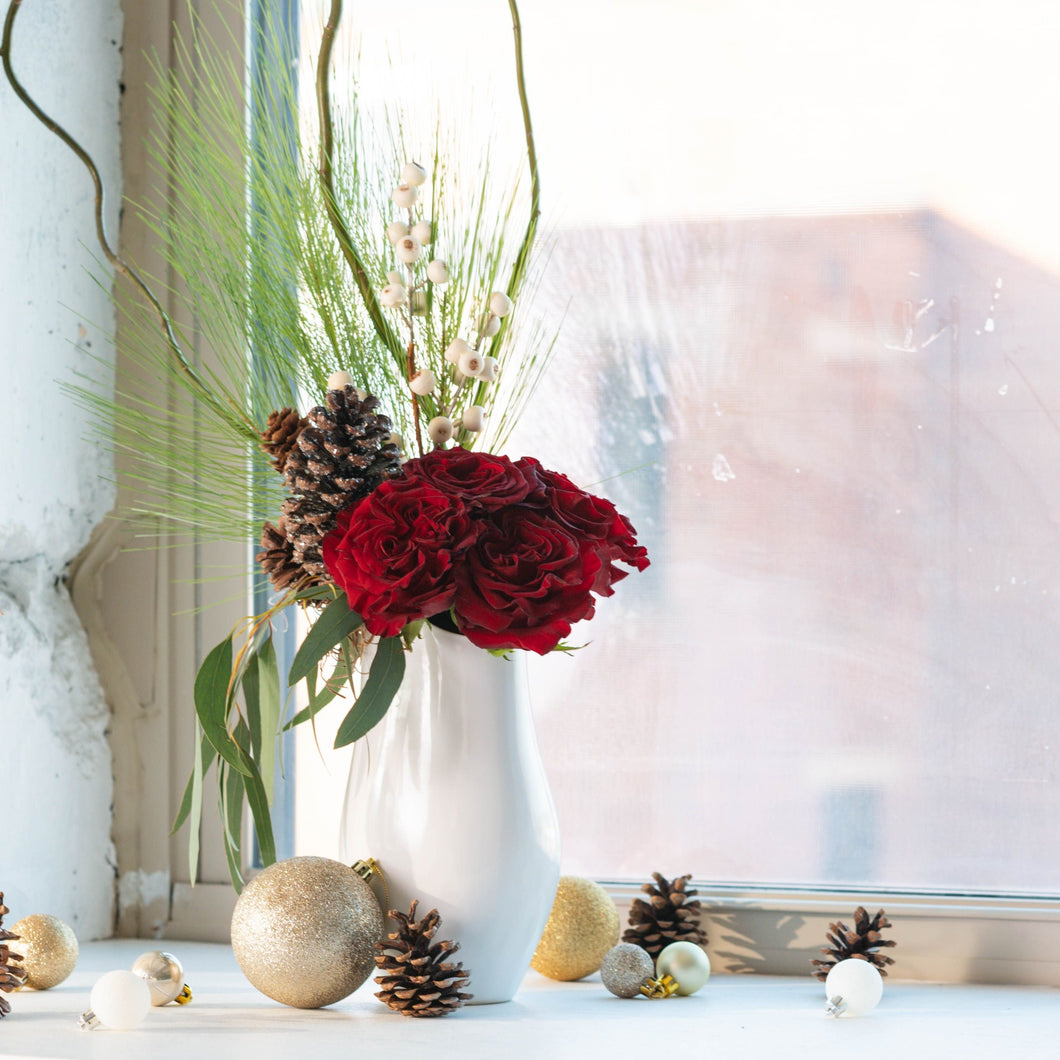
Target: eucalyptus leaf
212 701
334 624
231 788
384 679
332 686
208 754
268 678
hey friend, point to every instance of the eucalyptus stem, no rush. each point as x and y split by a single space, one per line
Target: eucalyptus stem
237 418
327 183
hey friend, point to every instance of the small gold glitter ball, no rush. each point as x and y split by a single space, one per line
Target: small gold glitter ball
581 928
304 931
48 947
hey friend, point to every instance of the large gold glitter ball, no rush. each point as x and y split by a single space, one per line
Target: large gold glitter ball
304 931
48 947
582 927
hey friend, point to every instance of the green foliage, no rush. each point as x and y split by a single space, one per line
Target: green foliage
271 301
384 679
267 298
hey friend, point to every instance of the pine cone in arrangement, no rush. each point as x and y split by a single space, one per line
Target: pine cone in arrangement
340 455
418 978
12 975
276 557
668 916
863 943
280 435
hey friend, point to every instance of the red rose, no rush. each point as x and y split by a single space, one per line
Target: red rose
524 581
592 518
392 553
483 481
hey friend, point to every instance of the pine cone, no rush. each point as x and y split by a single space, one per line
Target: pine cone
861 943
12 975
340 456
418 980
277 556
280 435
667 917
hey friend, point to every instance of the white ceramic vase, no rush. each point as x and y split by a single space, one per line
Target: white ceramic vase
448 793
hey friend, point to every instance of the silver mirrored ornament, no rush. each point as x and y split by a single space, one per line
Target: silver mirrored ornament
164 976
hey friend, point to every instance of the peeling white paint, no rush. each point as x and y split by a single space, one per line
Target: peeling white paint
57 856
148 893
141 888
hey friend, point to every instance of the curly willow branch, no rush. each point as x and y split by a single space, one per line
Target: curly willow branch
338 225
238 420
519 268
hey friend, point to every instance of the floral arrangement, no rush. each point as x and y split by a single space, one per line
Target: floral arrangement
383 521
513 550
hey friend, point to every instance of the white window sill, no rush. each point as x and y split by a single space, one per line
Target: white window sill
734 1015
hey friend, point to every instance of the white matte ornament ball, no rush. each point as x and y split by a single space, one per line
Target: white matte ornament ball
408 250
853 987
438 272
500 304
413 174
393 276
470 363
625 969
492 326
687 964
490 369
404 196
423 231
120 1000
474 418
423 382
396 230
440 429
394 294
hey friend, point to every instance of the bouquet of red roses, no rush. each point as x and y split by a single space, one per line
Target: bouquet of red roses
514 551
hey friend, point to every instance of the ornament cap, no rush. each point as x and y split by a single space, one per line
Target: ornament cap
664 986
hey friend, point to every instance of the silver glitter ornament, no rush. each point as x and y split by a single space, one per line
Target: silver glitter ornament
164 976
625 969
304 931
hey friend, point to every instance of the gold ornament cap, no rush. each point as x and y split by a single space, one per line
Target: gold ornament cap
581 929
664 986
49 950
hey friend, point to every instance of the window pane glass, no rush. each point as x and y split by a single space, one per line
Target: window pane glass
809 259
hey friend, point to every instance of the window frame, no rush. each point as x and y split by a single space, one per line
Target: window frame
775 930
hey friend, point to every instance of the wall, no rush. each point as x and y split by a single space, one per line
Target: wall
56 855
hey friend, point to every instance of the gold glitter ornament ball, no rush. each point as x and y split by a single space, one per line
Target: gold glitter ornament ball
48 947
304 931
581 928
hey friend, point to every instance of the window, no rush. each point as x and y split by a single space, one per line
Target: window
810 254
